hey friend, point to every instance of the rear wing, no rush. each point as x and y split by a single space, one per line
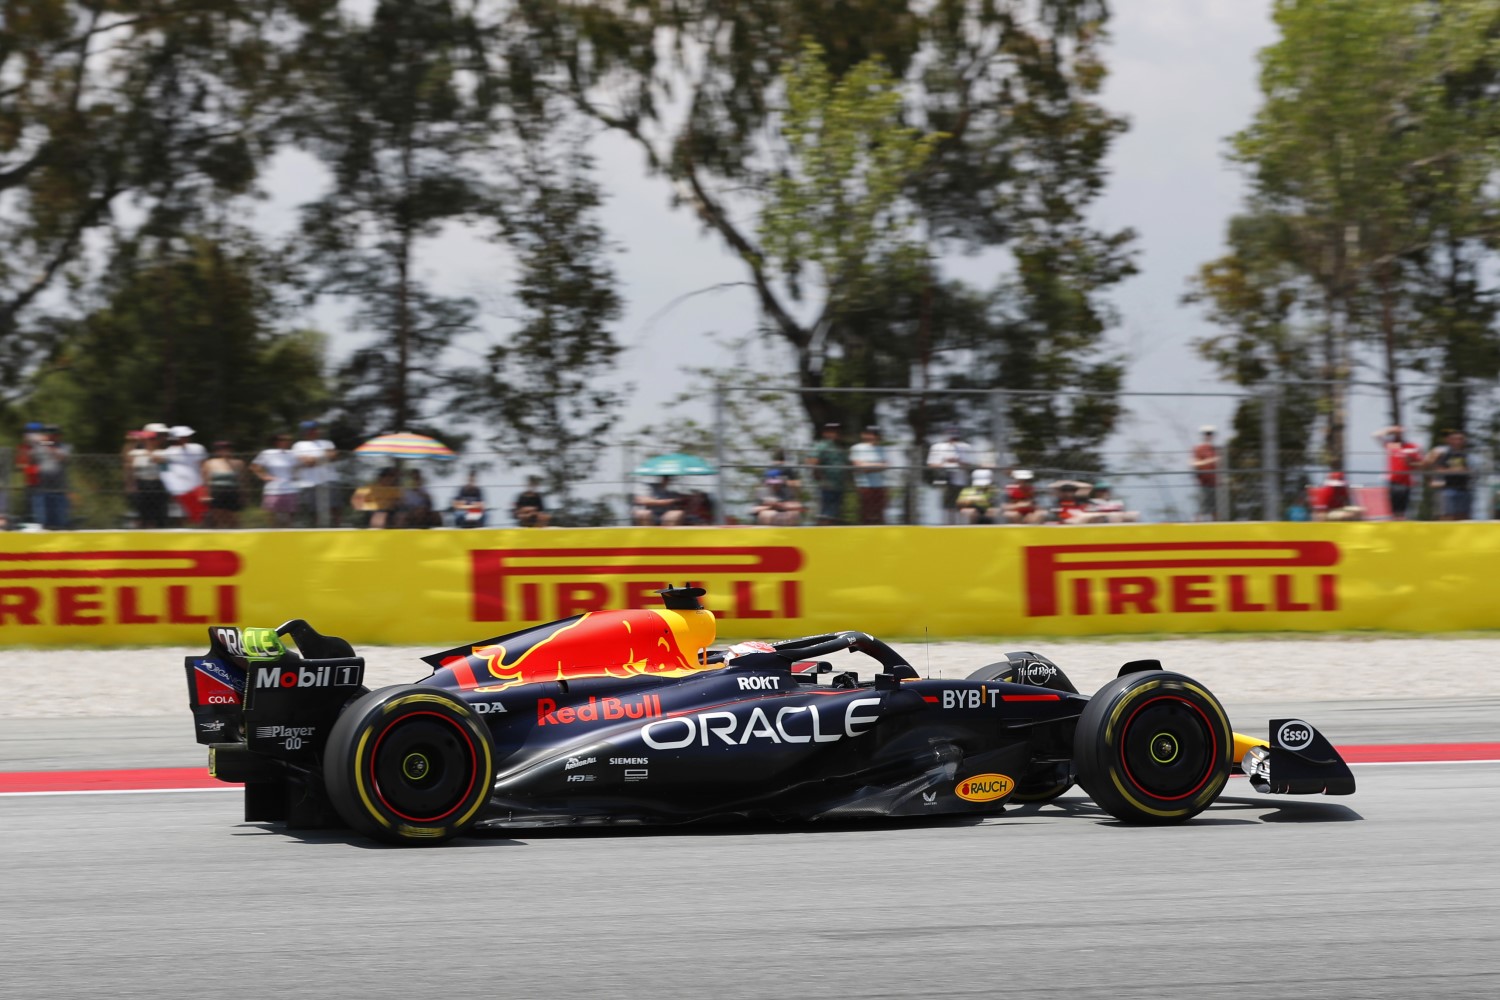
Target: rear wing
216 687
250 687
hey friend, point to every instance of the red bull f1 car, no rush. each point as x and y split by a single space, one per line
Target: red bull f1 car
635 717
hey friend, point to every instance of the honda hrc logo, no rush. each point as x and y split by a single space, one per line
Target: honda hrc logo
302 677
1184 578
536 585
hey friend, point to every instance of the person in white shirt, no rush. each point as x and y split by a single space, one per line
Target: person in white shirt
948 464
316 475
869 462
277 468
182 475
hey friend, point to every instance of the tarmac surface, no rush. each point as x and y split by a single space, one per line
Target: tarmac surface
1392 892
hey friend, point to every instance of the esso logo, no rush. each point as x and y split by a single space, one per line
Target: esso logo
1295 735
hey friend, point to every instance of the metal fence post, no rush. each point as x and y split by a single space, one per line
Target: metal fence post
719 422
1270 453
999 428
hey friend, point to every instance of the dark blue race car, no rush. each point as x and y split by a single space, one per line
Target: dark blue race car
635 717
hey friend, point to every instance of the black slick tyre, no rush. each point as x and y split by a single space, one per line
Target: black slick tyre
409 765
1153 748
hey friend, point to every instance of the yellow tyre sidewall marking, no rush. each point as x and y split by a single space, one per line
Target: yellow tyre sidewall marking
1209 792
486 772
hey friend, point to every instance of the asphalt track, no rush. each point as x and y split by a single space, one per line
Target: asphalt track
1393 892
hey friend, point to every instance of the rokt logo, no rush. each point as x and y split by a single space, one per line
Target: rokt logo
536 585
1186 578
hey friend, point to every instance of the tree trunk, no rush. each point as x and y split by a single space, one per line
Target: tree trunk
1388 336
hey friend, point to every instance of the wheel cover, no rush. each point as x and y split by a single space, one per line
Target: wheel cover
423 766
1168 748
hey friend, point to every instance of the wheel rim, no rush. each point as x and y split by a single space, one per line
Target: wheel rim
423 766
1169 748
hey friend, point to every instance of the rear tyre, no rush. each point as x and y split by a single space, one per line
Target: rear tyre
1153 748
409 765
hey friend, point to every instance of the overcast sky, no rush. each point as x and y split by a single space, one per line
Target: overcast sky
1182 71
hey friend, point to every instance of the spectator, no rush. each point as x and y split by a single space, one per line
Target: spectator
277 468
468 504
869 463
1071 504
1103 508
697 507
976 502
225 477
182 475
31 436
415 509
529 510
1020 499
948 465
1206 465
49 499
1454 477
661 504
316 475
1330 501
144 462
778 503
1401 457
376 503
830 470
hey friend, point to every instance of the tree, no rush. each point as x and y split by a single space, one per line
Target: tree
401 110
1009 86
168 103
1371 154
546 384
203 320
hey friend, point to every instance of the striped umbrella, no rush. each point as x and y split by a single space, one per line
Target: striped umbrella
405 445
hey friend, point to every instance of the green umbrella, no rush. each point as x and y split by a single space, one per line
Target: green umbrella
675 464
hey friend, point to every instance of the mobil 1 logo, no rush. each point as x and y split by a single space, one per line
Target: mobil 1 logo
302 676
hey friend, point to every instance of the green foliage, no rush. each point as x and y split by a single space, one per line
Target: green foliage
1370 158
166 104
838 203
400 109
1005 94
545 388
184 337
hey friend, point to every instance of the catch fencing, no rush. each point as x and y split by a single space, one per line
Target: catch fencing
1147 463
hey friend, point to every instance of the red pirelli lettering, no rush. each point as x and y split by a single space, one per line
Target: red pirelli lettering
507 583
1219 576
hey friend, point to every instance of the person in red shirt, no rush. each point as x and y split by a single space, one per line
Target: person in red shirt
1206 466
1331 502
1401 457
1020 499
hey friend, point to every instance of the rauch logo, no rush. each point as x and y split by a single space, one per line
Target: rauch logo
138 587
1151 578
533 585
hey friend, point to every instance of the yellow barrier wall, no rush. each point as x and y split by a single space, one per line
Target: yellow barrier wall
447 587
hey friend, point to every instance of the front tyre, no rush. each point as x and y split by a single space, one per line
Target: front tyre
409 765
1153 748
